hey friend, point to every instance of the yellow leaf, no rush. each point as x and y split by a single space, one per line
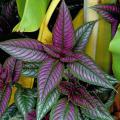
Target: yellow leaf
79 19
103 57
45 36
90 15
26 82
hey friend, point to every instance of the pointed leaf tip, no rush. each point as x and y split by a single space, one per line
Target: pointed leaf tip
63 31
87 71
111 13
24 49
82 35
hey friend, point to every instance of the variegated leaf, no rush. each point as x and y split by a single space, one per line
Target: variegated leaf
65 87
86 70
64 110
49 76
30 69
15 68
24 49
97 113
111 13
5 99
77 94
63 32
110 100
82 36
44 106
10 112
25 100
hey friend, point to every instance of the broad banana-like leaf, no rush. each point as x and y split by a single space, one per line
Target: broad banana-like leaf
90 15
114 48
49 76
45 35
44 106
27 9
105 34
64 110
20 7
79 19
25 100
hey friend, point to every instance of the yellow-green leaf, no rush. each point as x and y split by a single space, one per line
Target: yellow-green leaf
32 13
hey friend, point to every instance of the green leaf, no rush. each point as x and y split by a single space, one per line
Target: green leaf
32 13
30 69
17 117
115 49
20 7
110 100
10 112
25 100
44 106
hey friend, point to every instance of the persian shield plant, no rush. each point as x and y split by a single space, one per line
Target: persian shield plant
9 74
65 54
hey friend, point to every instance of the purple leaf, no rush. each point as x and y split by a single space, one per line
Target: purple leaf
63 31
31 115
111 13
49 76
24 49
51 51
5 99
63 110
82 36
77 94
65 87
8 10
72 58
15 68
4 26
86 70
97 113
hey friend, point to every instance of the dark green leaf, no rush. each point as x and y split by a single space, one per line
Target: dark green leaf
30 69
10 112
25 100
